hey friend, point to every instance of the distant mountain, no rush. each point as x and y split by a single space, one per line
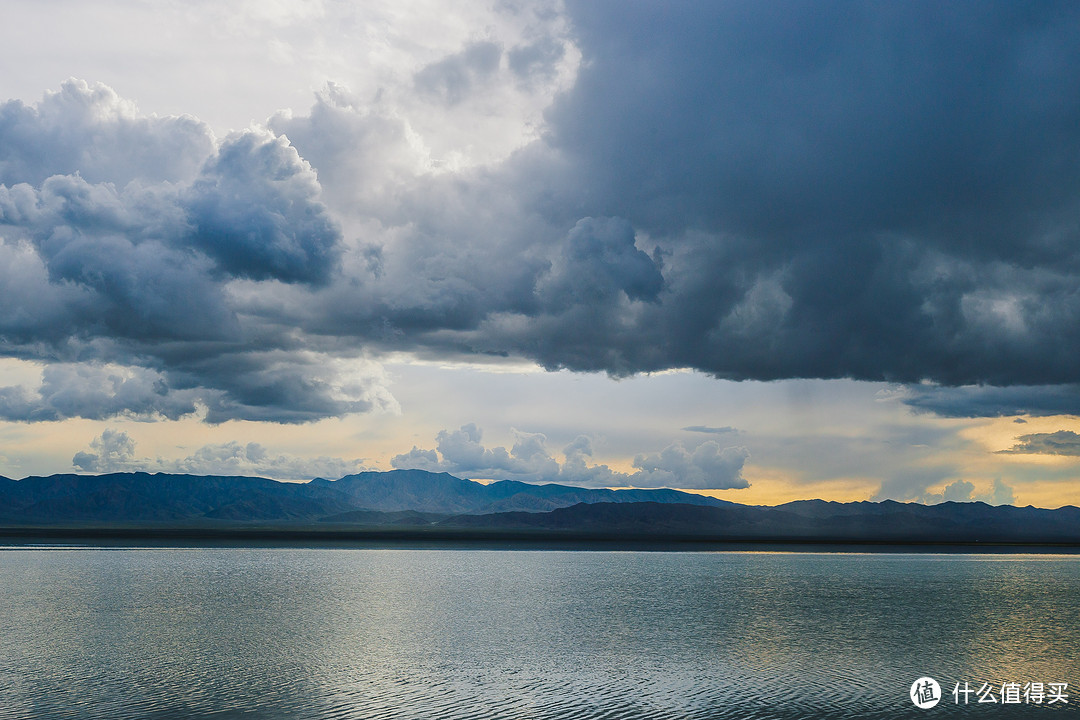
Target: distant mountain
142 498
440 505
443 493
813 521
974 521
162 499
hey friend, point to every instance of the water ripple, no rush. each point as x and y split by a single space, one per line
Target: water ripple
474 635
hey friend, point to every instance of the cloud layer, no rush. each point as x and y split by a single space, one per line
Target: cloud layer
1062 442
880 192
114 451
461 452
121 263
963 491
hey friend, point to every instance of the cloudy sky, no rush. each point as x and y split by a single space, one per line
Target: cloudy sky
767 251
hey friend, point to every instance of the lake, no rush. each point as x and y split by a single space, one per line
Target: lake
338 632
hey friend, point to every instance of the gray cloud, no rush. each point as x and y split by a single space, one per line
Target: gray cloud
256 211
711 430
96 392
1062 442
253 211
963 491
913 485
843 191
234 458
989 401
959 491
284 385
708 466
999 494
454 78
126 293
118 260
90 130
366 154
598 263
536 60
878 192
772 113
462 452
114 451
838 193
276 386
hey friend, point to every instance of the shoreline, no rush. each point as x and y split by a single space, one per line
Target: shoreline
506 539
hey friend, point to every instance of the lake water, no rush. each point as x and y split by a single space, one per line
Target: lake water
282 632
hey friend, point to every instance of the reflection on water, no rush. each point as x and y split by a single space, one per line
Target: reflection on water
365 633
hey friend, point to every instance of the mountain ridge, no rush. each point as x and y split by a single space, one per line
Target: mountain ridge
443 505
414 490
155 498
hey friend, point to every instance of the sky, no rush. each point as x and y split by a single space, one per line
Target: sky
765 251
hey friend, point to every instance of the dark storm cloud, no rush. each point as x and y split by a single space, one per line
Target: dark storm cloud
598 262
879 192
757 191
851 190
985 401
777 121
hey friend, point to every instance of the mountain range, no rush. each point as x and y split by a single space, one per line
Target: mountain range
439 505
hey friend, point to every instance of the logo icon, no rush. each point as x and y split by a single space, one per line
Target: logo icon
925 693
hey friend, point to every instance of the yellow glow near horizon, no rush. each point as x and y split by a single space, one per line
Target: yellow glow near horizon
1048 495
998 434
773 487
795 433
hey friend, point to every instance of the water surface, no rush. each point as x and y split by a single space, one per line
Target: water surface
407 633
